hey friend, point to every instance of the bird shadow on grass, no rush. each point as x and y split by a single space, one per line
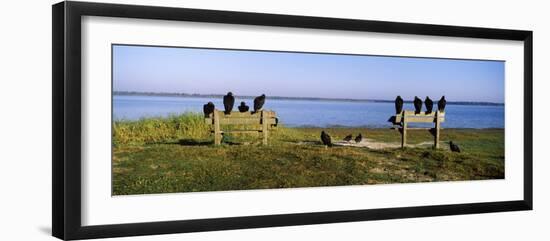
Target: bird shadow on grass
193 142
300 142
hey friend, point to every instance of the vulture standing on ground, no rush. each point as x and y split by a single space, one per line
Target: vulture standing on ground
208 109
325 138
441 104
417 105
228 102
454 147
243 107
348 138
359 138
259 103
429 105
398 105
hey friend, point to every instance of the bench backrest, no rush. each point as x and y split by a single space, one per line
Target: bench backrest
242 118
422 117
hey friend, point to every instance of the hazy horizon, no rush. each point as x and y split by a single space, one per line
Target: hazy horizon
435 99
304 75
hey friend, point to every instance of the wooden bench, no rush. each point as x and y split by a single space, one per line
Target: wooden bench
408 116
259 122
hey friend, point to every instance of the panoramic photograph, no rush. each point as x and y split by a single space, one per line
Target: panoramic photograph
201 119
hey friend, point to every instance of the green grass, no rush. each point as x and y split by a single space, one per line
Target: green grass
176 154
155 130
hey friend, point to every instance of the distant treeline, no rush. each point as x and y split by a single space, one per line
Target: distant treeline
292 98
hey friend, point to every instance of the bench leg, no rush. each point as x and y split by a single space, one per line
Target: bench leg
437 127
265 137
217 138
217 131
404 135
265 126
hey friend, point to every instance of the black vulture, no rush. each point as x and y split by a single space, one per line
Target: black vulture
359 138
228 102
429 105
398 105
417 105
441 104
259 103
208 109
243 107
325 138
454 147
348 138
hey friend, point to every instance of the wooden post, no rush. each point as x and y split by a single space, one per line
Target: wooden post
217 131
264 127
404 130
437 126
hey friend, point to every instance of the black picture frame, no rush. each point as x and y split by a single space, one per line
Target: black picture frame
66 75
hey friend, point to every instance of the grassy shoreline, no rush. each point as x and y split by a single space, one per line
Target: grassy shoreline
175 154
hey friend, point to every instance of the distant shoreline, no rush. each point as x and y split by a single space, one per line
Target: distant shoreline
184 95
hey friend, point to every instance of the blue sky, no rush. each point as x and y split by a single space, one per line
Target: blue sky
215 71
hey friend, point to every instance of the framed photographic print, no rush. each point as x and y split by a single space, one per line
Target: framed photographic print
169 120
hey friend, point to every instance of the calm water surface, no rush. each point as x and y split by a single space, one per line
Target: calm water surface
308 113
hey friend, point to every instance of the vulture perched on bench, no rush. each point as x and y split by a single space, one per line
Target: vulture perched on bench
417 105
228 102
441 104
398 105
259 103
243 107
429 105
208 109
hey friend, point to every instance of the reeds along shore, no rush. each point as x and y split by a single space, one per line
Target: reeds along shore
155 130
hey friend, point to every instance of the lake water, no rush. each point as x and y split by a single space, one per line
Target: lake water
309 113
